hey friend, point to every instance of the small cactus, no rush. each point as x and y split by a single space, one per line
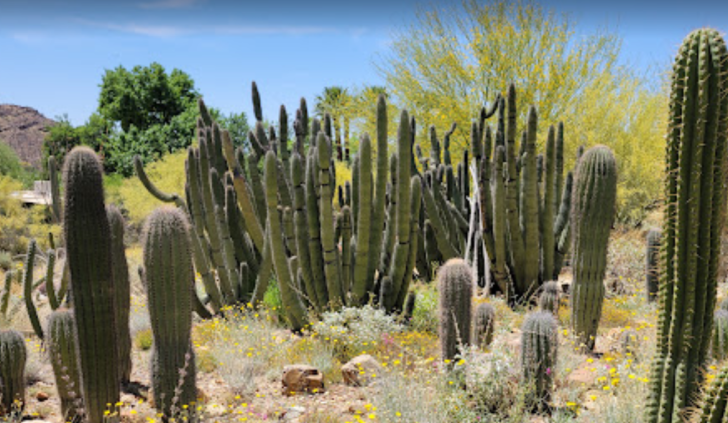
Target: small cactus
169 276
550 297
63 356
483 325
720 335
539 346
652 272
13 356
455 283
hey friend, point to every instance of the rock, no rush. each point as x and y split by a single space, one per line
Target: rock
41 396
361 370
301 378
294 413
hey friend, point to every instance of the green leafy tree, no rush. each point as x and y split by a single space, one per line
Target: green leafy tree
145 96
238 126
450 62
60 139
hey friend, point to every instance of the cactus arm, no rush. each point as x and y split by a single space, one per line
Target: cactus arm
50 287
314 231
151 188
379 193
28 289
122 292
529 210
548 214
55 189
330 253
360 282
301 230
415 204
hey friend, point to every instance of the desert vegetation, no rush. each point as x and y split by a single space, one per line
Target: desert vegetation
424 256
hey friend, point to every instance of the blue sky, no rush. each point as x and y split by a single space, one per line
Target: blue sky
54 53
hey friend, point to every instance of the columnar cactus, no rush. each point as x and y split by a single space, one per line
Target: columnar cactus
549 300
694 214
719 342
455 284
169 276
55 190
28 289
652 271
539 347
122 291
13 356
88 248
713 407
592 215
63 356
483 325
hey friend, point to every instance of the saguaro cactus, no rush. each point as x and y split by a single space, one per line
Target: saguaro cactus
539 347
455 283
592 215
652 271
13 356
694 214
169 275
63 356
122 291
88 246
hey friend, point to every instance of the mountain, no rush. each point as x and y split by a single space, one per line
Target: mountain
24 128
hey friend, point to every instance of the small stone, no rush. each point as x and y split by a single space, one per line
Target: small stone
41 396
301 378
361 370
294 413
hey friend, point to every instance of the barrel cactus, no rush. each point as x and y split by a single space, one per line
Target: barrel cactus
592 215
719 342
550 297
539 347
693 221
88 248
63 356
13 356
169 276
652 271
122 291
483 325
455 283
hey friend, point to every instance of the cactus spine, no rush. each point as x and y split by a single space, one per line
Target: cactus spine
593 209
13 356
652 271
539 347
63 356
88 245
483 325
169 275
694 214
455 283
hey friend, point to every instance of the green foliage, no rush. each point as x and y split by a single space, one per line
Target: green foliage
145 96
238 127
12 167
697 144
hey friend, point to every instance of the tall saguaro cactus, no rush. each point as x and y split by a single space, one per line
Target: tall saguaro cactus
169 275
694 216
592 215
88 245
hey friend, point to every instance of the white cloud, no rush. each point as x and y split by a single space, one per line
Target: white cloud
168 4
269 30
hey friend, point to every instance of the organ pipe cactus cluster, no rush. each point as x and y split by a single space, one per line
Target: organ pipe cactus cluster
652 271
455 284
483 325
694 214
539 348
13 355
63 356
168 277
89 249
524 216
592 216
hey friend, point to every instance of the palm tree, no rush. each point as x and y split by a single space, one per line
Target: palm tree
336 101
